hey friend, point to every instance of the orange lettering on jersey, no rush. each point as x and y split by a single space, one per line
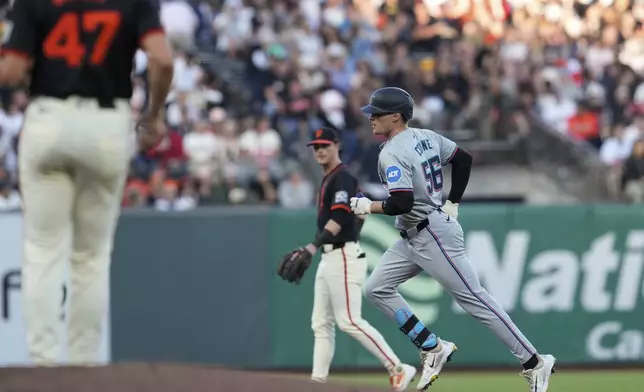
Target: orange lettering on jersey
63 41
108 22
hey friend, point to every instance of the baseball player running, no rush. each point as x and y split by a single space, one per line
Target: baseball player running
342 269
410 164
74 152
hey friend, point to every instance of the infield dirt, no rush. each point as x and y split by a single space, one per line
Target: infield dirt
141 377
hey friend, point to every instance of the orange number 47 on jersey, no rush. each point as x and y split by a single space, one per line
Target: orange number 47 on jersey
64 41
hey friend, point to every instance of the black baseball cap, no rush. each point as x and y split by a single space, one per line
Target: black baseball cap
326 136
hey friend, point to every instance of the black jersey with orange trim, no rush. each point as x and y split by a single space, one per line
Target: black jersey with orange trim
80 47
336 191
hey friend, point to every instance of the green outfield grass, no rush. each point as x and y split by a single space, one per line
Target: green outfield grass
562 381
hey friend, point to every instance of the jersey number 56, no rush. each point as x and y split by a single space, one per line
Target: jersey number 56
64 40
433 172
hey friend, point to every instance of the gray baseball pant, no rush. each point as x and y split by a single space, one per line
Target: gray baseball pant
439 250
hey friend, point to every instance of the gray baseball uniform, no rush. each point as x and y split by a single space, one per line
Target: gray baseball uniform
412 161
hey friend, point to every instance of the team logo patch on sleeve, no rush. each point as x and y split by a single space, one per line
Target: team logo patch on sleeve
341 197
6 28
394 174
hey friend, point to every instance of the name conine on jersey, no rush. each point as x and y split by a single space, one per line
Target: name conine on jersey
422 146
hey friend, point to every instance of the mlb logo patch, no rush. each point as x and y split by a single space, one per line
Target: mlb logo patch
341 197
6 28
394 174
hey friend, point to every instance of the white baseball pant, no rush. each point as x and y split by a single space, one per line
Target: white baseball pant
73 162
338 299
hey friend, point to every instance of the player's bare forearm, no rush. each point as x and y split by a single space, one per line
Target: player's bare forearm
376 207
160 70
13 70
333 227
160 81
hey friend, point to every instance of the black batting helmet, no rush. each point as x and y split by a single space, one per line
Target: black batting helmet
388 100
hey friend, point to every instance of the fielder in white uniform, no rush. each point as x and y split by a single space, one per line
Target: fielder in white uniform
410 166
74 152
342 270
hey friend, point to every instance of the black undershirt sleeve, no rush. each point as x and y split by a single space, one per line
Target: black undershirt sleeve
323 238
341 216
359 224
398 203
341 191
461 168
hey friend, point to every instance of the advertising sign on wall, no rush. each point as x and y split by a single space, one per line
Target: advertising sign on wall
570 277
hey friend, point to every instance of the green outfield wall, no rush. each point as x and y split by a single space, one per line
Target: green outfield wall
201 287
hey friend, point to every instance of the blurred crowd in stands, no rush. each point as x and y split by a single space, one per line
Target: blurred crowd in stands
254 77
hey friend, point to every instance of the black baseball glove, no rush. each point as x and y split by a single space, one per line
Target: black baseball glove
294 264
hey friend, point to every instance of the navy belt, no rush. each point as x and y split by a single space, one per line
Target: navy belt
407 234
